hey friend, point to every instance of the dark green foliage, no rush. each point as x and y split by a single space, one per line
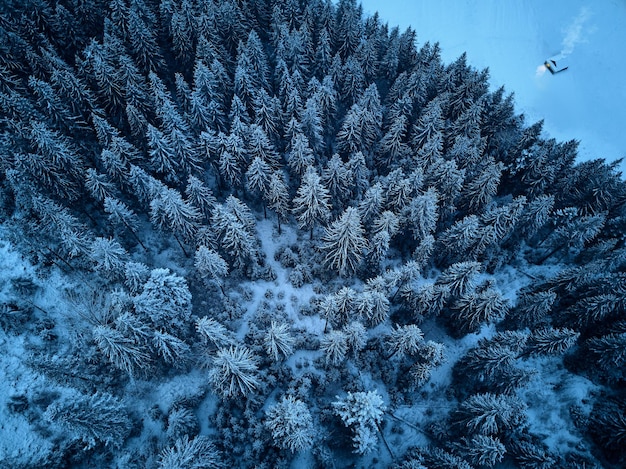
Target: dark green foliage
607 425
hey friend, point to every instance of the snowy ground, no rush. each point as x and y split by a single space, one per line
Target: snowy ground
514 37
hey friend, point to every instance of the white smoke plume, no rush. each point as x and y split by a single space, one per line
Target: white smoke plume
574 33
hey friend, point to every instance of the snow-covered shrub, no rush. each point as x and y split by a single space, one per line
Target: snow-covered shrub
196 453
100 418
234 372
363 412
291 424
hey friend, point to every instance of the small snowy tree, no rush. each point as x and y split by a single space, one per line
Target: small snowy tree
212 331
407 339
100 418
291 424
165 299
334 345
363 412
344 242
234 372
211 266
122 351
196 453
311 204
278 341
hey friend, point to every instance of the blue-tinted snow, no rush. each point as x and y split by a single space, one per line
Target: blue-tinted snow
513 38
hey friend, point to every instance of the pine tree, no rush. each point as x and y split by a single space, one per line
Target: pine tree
338 179
169 210
278 197
165 300
373 201
162 153
278 341
212 331
334 345
200 196
363 412
485 451
550 341
122 351
211 266
491 414
100 418
258 177
291 424
300 157
234 372
196 453
108 255
98 185
171 348
458 279
533 308
403 340
120 214
344 242
311 204
422 213
472 309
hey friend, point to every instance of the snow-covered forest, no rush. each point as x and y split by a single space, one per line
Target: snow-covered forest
282 234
